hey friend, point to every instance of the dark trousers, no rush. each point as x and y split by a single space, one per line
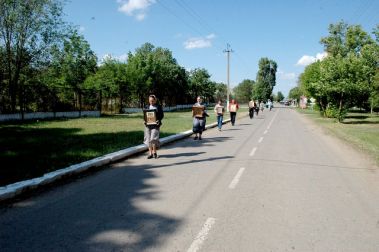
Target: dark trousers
233 117
251 112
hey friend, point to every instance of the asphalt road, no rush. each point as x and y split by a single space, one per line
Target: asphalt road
274 183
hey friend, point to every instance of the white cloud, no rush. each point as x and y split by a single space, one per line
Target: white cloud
199 42
321 56
306 59
286 76
140 16
211 36
108 56
82 29
136 8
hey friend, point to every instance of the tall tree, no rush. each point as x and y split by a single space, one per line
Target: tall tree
244 90
221 91
346 77
155 70
266 79
28 29
77 63
279 96
200 84
295 94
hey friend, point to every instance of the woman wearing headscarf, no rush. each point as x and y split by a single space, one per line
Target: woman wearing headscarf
151 134
199 121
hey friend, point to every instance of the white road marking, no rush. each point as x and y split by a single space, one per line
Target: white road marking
253 151
236 179
265 132
260 140
202 235
272 120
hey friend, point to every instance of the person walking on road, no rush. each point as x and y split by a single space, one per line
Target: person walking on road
251 108
233 108
199 121
219 110
262 106
151 133
269 104
257 107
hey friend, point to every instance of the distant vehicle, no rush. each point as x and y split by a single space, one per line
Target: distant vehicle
285 102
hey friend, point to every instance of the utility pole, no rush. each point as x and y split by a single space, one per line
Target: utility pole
228 51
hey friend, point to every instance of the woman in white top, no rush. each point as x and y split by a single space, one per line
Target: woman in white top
219 110
151 134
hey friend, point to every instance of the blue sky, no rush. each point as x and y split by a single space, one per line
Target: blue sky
196 31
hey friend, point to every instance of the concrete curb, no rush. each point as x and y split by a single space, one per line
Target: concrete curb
13 190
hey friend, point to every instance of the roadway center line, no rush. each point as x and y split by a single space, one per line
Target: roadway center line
236 179
272 120
264 133
253 151
202 235
260 140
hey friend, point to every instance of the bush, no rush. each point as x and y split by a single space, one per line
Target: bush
333 111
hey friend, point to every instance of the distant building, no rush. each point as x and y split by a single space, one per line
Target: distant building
303 102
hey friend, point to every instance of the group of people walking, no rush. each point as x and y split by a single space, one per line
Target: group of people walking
151 133
256 106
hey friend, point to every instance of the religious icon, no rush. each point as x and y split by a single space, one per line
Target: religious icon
150 116
198 111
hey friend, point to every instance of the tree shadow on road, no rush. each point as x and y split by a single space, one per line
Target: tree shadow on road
184 154
101 212
98 213
231 129
361 122
190 142
244 124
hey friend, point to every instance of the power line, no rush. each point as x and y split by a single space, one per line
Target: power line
194 14
178 17
204 25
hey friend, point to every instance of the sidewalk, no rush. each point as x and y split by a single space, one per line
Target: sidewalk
16 189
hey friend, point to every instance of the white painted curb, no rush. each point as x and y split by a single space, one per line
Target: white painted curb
12 190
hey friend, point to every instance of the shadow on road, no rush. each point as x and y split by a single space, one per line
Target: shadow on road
232 129
190 142
101 213
184 154
361 122
98 214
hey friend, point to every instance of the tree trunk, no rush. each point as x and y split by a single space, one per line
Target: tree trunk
80 104
141 101
121 104
100 101
322 107
340 109
22 103
372 106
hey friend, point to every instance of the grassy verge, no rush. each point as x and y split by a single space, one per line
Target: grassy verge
31 149
359 129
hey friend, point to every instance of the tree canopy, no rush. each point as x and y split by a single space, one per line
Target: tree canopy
346 77
243 92
29 30
266 79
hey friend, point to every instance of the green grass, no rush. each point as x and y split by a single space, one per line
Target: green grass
359 129
31 149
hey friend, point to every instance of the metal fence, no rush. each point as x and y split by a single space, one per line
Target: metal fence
48 115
